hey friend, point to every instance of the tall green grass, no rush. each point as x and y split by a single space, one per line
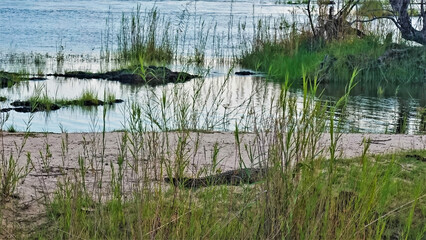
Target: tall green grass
146 35
158 39
309 192
333 61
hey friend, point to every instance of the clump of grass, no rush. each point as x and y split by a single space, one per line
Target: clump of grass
145 35
110 98
353 54
88 96
42 102
40 72
12 170
11 176
11 129
158 40
276 61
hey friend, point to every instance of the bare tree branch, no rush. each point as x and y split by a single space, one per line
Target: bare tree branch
377 18
310 18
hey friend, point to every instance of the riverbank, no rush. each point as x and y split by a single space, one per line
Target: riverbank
57 160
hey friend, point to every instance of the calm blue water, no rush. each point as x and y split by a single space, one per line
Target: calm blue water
76 28
43 26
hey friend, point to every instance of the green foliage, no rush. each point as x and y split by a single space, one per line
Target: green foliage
145 35
11 174
353 54
41 100
11 129
88 96
13 171
280 60
335 61
373 8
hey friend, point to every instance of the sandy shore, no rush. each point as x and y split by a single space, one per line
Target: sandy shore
56 156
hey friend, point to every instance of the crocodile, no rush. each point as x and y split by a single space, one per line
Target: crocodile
232 177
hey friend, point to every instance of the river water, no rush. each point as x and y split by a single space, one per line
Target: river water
77 30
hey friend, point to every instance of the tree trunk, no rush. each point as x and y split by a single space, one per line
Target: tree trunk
400 7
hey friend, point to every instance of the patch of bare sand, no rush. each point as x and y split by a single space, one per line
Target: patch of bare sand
56 158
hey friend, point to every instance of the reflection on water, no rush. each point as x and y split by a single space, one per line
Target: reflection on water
380 108
217 102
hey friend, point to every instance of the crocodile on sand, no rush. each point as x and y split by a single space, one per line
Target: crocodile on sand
232 177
